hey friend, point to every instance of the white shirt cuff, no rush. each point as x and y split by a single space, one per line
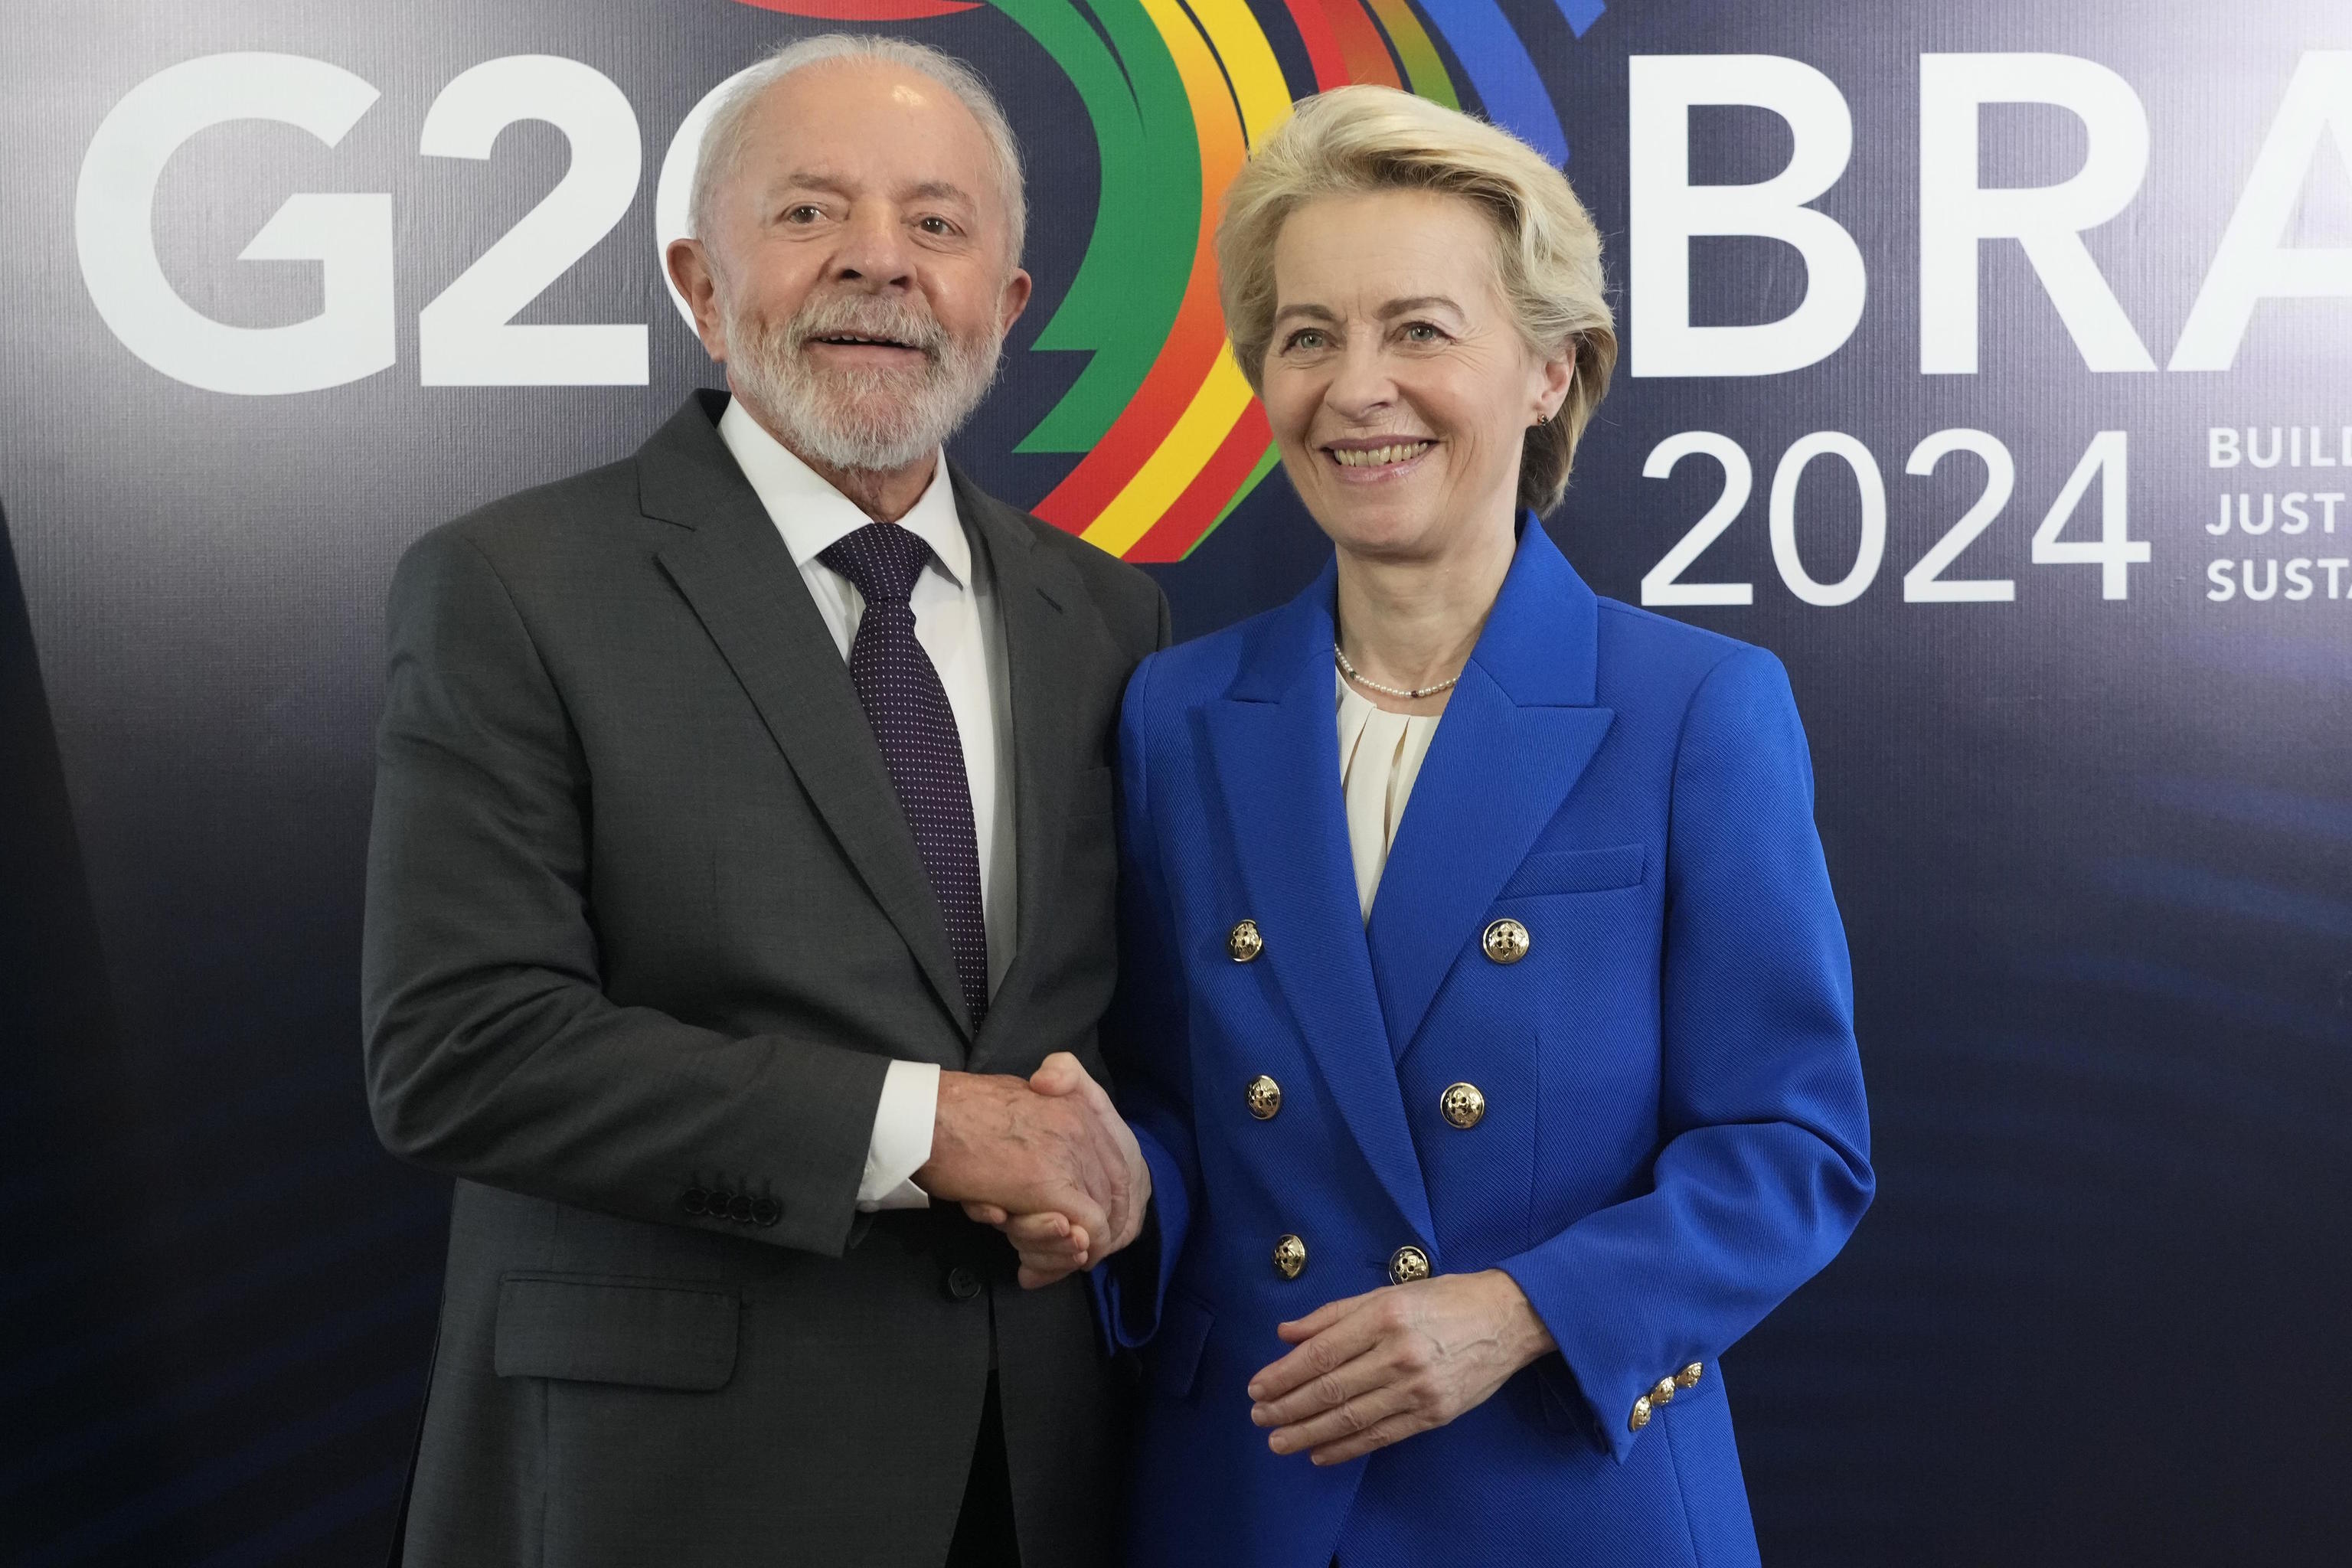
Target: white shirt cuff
902 1138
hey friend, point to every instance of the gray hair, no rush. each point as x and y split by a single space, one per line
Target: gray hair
723 138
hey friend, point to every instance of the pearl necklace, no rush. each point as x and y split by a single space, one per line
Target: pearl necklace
1414 695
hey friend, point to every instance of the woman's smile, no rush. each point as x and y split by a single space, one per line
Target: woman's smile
1379 459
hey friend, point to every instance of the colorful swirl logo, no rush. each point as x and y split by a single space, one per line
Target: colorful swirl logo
1168 437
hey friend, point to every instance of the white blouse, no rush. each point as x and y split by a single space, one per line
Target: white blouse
1380 756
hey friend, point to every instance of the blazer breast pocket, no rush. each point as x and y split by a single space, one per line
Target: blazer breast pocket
1579 871
650 1333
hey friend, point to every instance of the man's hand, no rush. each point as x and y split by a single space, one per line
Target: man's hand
1046 1150
1054 1242
1372 1369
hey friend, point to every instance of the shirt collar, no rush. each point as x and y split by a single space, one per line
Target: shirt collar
813 516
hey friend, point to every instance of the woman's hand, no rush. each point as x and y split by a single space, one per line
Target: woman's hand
1051 1245
1375 1368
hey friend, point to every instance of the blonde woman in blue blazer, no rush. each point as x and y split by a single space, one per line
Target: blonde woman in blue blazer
1486 1027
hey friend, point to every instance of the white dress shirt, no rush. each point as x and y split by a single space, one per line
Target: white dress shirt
957 621
1381 755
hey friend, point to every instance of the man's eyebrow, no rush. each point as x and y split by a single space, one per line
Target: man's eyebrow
821 180
806 180
941 191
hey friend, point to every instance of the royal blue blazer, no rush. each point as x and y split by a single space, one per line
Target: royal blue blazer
1673 1135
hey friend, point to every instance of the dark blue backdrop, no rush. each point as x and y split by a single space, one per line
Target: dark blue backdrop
2094 853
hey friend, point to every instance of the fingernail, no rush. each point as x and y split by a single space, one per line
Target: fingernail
1278 1443
1316 1459
1261 1415
1257 1391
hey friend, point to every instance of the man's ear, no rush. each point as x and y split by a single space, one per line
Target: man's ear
1013 300
697 281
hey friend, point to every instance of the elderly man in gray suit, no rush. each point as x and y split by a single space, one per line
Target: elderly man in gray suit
742 846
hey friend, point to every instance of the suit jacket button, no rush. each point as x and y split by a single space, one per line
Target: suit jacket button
1264 1097
1688 1377
1407 1263
716 1205
1243 942
1462 1105
767 1211
1640 1416
739 1208
1664 1393
1289 1256
963 1283
1505 941
695 1201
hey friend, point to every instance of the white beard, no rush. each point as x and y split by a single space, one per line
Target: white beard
872 419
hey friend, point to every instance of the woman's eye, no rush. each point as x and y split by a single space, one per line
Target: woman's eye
1305 337
1422 333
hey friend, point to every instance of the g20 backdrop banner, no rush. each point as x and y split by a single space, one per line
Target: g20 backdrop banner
1991 363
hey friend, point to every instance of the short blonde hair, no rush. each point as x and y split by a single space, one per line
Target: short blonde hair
1353 140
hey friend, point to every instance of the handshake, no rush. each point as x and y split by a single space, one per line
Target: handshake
1046 1160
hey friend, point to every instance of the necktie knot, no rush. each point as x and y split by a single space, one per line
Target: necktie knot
882 559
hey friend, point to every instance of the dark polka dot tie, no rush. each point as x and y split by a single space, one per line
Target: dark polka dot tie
907 709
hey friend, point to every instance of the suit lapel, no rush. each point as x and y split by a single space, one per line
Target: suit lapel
1274 741
734 570
1037 595
1517 735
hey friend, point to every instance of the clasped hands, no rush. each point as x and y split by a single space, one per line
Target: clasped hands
1046 1160
1050 1162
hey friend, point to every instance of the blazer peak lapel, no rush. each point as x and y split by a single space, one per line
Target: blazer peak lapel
1277 767
1518 733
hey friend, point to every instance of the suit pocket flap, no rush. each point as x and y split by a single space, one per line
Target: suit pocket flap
1578 871
1174 1356
644 1333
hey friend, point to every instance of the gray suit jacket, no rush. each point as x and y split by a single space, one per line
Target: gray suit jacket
644 926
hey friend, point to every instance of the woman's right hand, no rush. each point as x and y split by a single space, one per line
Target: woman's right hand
1050 1246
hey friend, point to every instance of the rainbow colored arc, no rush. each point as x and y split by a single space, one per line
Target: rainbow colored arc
1168 435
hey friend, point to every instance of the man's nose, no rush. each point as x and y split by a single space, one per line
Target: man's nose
874 249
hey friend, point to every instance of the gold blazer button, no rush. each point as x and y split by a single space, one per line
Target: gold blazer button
1640 1416
1289 1256
1664 1393
1243 942
1407 1263
1462 1105
1688 1377
1264 1097
1505 941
